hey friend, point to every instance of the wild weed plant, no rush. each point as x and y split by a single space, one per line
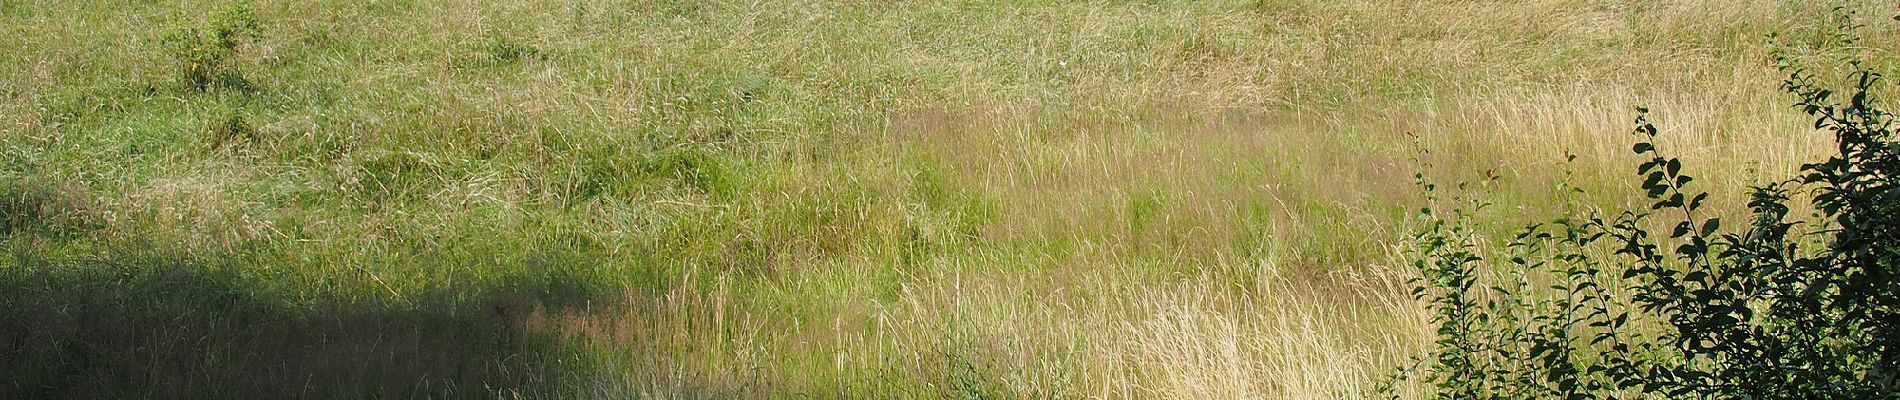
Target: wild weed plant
205 54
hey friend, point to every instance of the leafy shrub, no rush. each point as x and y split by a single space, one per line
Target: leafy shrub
204 54
1609 306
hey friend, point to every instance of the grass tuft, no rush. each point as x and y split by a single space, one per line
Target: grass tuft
38 206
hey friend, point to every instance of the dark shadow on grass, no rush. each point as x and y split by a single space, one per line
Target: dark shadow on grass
155 328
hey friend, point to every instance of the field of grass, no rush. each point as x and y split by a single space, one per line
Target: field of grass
814 199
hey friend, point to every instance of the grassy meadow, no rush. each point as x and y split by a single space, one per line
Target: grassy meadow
684 199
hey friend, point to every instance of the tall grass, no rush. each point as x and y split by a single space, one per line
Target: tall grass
971 199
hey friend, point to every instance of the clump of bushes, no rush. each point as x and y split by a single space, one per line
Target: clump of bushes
1668 302
204 54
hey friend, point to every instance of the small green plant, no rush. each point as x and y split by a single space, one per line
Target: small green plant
965 378
1591 306
228 128
204 54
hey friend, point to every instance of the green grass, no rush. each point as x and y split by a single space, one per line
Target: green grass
962 199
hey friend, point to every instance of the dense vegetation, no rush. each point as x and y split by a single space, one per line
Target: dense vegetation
1665 302
693 199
